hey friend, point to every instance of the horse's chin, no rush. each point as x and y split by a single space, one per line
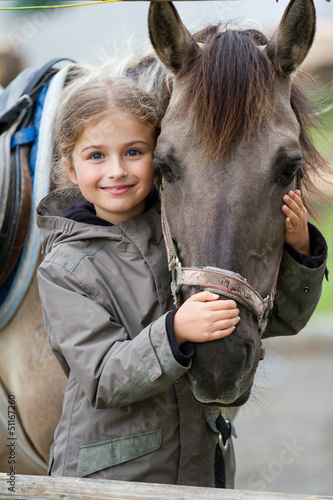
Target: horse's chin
241 399
232 398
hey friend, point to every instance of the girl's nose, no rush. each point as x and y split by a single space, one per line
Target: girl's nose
116 168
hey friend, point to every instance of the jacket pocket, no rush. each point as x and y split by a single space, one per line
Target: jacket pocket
99 456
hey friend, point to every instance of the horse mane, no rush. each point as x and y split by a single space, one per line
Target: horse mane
228 87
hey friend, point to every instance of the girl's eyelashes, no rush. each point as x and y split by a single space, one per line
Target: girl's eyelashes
96 156
133 152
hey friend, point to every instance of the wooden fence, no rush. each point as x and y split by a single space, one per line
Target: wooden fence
56 488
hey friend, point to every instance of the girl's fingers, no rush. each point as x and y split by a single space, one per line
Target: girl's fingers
219 334
217 316
295 197
291 217
227 306
289 225
225 324
223 333
293 209
292 204
212 299
286 210
203 297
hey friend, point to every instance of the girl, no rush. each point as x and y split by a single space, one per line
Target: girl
105 287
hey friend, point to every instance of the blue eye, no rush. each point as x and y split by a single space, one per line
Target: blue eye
133 152
96 156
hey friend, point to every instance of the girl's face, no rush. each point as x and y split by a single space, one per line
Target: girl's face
112 165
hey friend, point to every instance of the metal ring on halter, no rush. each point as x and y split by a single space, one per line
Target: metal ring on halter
223 446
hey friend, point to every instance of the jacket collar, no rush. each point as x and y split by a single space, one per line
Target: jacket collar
55 228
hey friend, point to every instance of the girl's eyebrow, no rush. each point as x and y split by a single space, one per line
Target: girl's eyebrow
126 145
92 146
131 143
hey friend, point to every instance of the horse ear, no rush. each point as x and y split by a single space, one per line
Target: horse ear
293 38
171 40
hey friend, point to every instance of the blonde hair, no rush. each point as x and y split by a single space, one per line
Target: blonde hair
87 100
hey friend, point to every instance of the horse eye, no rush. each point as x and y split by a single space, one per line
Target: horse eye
289 173
166 172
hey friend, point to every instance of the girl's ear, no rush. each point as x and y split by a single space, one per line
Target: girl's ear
70 170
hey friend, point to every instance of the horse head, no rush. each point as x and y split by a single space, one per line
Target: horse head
230 147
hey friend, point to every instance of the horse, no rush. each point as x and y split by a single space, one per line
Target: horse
233 126
233 141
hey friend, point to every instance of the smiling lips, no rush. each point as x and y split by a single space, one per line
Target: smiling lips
118 190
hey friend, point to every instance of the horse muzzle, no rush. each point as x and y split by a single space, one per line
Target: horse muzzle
222 371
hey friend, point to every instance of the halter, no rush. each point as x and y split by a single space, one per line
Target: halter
216 280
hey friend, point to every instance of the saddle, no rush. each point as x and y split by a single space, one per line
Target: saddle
27 109
15 205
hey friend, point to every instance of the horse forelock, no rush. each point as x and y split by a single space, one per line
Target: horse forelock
227 88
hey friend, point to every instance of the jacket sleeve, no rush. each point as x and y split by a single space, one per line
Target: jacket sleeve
298 288
111 369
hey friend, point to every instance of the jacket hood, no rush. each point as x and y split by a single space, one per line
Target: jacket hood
55 228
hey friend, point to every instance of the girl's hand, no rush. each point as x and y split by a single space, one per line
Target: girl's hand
297 233
203 317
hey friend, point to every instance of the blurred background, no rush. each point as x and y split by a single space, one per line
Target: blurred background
285 432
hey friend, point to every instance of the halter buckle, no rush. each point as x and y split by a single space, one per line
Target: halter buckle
226 430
